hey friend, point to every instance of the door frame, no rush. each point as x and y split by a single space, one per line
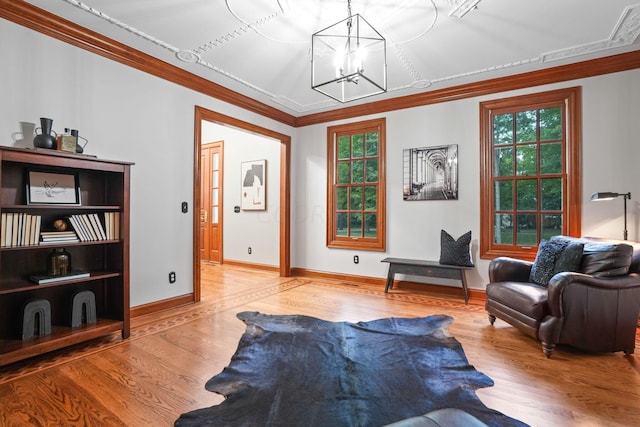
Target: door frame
285 186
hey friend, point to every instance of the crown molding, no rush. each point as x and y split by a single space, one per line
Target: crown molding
579 70
27 15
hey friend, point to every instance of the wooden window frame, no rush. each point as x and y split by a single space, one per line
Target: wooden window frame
346 242
571 98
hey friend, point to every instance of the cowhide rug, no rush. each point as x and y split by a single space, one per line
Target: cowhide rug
301 371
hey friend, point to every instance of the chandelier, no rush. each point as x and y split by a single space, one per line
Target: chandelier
349 59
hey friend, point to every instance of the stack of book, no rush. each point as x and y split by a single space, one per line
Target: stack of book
58 237
90 228
112 225
19 229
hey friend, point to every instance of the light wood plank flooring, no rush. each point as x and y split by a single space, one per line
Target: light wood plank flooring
159 373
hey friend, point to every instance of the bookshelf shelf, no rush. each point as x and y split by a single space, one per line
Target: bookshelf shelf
104 192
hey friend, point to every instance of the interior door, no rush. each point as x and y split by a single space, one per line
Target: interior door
211 202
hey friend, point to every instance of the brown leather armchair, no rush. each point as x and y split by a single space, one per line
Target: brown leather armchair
594 309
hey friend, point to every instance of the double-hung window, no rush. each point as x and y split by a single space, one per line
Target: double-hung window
356 185
530 171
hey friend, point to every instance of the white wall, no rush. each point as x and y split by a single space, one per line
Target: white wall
126 115
259 230
610 150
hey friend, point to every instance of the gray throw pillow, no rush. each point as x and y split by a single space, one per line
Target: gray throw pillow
555 256
455 252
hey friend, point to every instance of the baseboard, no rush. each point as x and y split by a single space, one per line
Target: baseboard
300 272
476 296
254 266
165 304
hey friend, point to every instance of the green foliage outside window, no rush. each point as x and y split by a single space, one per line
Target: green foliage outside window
528 167
357 178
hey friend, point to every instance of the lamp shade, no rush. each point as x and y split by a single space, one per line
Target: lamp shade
610 196
605 196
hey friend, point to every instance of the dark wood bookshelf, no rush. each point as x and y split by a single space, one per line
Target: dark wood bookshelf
104 187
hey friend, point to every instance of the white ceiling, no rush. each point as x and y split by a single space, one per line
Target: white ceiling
261 48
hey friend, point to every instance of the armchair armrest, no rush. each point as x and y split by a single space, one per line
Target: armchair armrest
503 269
560 281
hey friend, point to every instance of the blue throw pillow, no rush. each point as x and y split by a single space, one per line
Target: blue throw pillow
455 252
555 256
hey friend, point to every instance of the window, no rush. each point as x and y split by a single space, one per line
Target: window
529 172
356 185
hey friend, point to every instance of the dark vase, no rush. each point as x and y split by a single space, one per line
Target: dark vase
45 139
58 262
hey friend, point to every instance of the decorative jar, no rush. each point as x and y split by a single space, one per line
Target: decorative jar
58 262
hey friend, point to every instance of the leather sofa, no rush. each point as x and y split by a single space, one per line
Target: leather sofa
594 308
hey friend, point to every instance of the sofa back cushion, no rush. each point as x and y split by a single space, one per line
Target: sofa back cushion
606 259
602 257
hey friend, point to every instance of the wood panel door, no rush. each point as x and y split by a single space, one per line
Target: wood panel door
211 202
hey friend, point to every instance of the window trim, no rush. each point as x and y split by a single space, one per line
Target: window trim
572 99
368 244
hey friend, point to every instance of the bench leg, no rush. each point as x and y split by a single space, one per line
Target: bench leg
389 281
463 277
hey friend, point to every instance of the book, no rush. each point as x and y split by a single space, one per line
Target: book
75 223
27 229
14 231
97 225
60 240
107 225
36 237
9 230
116 225
58 233
87 226
19 233
3 229
43 279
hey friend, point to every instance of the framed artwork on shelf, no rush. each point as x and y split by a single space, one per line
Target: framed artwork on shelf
51 188
430 173
254 185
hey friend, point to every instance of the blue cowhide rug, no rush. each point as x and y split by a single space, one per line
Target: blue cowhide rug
301 371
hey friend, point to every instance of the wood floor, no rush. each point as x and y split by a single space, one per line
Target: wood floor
159 373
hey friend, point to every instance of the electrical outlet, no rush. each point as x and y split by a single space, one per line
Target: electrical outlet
172 277
184 207
356 259
249 250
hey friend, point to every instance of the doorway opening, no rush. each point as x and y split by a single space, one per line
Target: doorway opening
202 114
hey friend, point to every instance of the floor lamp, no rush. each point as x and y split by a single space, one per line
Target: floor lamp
611 196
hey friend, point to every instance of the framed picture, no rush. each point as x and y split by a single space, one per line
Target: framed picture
49 188
430 173
254 185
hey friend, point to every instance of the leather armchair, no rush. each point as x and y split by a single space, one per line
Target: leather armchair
595 309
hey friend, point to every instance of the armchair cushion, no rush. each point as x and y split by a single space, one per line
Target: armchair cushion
555 256
604 260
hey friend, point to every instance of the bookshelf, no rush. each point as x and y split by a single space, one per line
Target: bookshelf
104 195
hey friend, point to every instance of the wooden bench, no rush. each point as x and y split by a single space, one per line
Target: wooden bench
423 268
